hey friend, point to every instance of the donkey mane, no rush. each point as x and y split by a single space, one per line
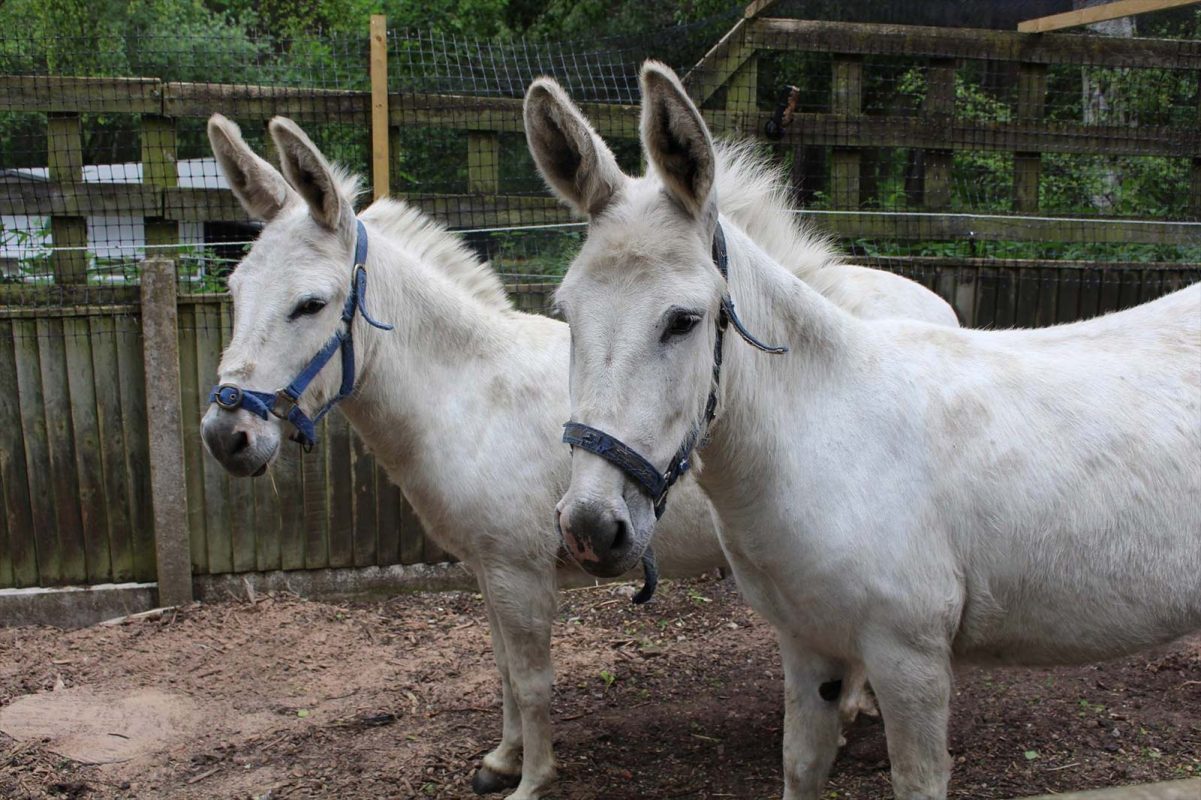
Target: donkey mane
754 193
750 190
430 241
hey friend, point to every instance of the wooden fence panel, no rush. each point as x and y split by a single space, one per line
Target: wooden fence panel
73 434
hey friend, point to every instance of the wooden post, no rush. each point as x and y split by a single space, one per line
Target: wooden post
846 98
940 107
168 489
65 160
483 162
1195 181
1027 167
379 106
158 170
742 94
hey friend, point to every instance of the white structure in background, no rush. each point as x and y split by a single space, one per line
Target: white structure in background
110 236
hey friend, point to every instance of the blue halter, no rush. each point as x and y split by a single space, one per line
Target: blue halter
285 403
638 468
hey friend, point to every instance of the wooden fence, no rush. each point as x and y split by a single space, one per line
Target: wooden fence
74 451
75 458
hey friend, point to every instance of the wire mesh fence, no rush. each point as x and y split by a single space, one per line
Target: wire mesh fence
1028 180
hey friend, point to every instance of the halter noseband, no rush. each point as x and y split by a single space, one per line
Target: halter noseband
649 479
285 403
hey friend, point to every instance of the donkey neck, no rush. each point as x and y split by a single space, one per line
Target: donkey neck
407 376
764 397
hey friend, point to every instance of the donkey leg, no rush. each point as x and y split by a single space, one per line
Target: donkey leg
525 600
501 768
811 719
913 687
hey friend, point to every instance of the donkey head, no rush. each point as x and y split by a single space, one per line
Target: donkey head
289 290
642 298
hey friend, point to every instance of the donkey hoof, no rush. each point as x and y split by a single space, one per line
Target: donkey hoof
487 781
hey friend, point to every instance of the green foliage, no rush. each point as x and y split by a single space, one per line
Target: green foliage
323 44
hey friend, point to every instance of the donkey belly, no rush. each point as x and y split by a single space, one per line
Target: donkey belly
1095 598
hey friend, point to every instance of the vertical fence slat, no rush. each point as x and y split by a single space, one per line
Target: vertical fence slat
1090 292
67 536
240 496
1048 297
316 501
159 170
112 443
387 515
191 386
64 157
160 343
412 535
18 562
1109 293
1195 172
366 517
939 106
1028 291
986 298
483 162
86 431
217 533
267 528
341 490
289 481
1027 167
847 99
1007 298
132 378
41 548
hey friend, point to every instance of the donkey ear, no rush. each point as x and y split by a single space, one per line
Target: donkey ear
676 139
309 174
259 187
576 163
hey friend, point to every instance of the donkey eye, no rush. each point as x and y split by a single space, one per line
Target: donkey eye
681 323
307 308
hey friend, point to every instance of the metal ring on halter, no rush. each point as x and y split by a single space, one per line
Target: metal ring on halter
228 396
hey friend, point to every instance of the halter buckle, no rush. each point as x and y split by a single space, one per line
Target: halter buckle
229 396
283 405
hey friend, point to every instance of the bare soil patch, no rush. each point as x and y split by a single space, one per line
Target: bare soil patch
283 698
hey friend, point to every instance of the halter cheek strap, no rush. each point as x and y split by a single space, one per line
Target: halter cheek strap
285 403
639 469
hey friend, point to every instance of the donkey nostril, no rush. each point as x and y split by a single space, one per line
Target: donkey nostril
621 537
239 443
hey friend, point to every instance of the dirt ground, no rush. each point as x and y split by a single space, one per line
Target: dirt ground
283 698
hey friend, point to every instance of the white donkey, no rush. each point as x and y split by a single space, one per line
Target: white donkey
461 402
889 493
